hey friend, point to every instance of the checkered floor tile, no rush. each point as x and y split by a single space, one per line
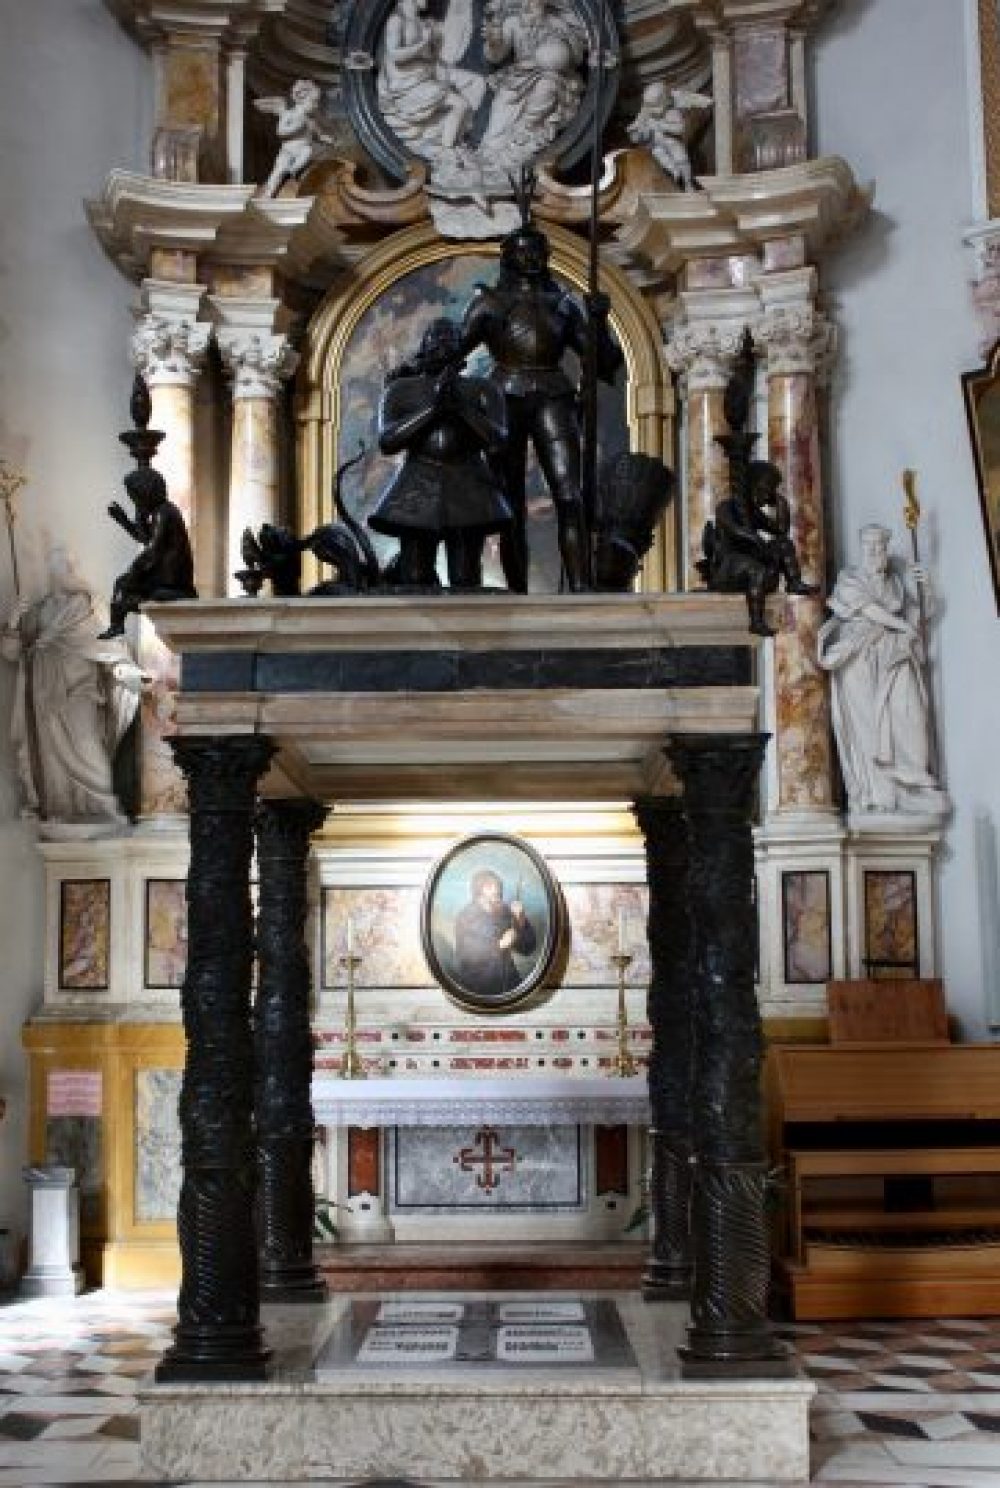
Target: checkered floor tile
914 1403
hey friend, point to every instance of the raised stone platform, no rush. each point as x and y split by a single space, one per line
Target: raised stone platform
618 1412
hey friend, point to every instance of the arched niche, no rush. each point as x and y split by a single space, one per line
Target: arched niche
320 408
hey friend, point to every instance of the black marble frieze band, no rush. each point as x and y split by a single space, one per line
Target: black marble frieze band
463 671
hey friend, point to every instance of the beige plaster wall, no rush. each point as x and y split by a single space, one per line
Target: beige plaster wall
74 102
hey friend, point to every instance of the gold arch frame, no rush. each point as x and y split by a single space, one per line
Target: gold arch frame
649 389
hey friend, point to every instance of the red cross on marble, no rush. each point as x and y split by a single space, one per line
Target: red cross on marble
488 1155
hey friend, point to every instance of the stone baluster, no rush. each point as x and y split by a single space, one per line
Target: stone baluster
703 355
259 364
669 1010
218 1334
729 1331
799 343
284 1054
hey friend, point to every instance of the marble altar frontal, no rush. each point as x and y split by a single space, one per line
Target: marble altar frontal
477 1333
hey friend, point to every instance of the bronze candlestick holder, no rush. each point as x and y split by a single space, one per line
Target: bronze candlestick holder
351 1067
624 1065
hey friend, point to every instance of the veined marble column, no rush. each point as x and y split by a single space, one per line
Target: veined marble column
729 1332
799 342
218 1334
169 351
703 356
284 1063
259 365
170 354
671 1067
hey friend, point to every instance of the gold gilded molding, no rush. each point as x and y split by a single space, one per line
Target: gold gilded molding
649 389
989 54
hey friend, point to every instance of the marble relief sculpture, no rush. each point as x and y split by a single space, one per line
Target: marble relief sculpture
873 650
664 124
477 106
426 97
300 131
76 695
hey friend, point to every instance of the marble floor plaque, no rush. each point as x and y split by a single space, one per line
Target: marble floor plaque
540 1312
408 1345
492 1334
420 1312
551 1343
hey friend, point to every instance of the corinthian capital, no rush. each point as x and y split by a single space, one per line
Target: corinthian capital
797 339
259 364
702 353
169 353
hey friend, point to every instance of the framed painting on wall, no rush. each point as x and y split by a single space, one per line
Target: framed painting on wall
982 405
491 922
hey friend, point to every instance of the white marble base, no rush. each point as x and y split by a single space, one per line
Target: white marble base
600 1425
54 1268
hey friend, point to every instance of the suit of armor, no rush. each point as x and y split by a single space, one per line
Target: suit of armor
528 324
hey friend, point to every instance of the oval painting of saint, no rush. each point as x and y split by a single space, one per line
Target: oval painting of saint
491 922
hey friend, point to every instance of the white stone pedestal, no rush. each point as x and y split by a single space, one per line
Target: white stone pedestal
462 1423
54 1268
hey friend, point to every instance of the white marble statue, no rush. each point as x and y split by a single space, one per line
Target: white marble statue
425 96
663 123
541 45
881 716
76 696
302 134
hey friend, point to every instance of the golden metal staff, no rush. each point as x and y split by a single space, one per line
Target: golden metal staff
11 481
911 515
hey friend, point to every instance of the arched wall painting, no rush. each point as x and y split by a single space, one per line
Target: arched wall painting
389 332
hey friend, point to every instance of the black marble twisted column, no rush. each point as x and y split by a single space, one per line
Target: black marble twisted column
729 1332
661 821
218 1334
284 1062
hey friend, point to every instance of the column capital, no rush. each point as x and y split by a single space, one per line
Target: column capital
258 362
797 339
703 353
285 826
222 772
169 352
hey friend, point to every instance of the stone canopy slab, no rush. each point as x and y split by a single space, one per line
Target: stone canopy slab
563 697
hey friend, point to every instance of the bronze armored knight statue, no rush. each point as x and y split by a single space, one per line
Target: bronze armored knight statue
529 324
450 427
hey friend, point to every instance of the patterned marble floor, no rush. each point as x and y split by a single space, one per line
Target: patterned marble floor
915 1403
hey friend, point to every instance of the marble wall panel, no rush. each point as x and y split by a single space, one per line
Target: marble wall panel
386 923
157 1144
75 1142
85 934
805 908
166 932
891 939
439 1169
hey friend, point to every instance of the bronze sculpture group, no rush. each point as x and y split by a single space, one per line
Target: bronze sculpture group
465 442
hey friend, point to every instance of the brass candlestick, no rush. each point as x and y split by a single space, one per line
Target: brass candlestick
624 1065
351 1067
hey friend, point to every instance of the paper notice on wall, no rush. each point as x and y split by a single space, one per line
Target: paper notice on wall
74 1093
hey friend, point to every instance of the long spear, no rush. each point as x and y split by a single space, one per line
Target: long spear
589 472
911 514
10 483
